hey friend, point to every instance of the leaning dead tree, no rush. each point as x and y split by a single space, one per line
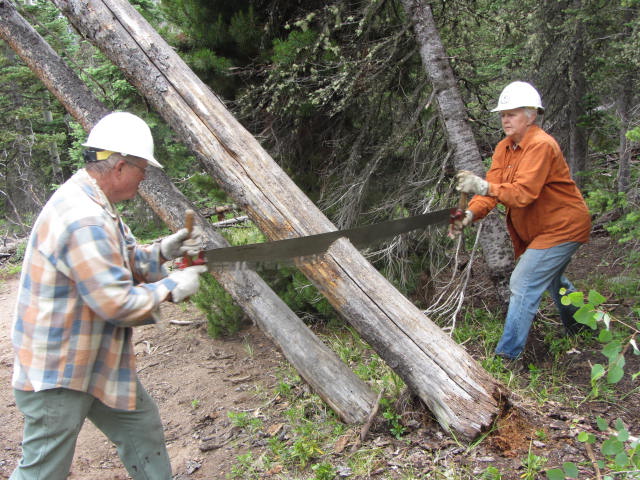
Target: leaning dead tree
335 383
463 397
494 240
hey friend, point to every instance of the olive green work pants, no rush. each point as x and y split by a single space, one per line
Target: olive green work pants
53 419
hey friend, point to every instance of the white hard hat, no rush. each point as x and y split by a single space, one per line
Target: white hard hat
517 95
123 133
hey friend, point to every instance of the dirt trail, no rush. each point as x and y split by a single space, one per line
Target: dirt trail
195 380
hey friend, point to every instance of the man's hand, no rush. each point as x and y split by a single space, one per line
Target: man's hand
455 228
188 282
469 182
181 243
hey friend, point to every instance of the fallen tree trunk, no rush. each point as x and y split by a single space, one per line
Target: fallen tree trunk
463 397
335 383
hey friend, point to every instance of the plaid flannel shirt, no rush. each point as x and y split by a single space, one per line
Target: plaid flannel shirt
85 282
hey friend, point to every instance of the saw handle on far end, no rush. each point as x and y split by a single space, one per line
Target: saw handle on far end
462 203
459 212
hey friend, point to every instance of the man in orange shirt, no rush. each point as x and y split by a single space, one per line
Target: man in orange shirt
547 217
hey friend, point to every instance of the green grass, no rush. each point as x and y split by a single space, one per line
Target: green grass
10 269
308 450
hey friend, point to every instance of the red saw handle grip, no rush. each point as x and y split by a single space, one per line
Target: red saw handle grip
458 213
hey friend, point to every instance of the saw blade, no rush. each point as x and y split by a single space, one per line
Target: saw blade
290 248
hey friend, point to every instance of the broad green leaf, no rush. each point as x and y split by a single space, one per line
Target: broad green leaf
595 298
576 298
597 371
619 424
615 374
570 469
612 349
618 361
623 435
555 474
622 460
584 315
605 336
583 437
611 447
603 425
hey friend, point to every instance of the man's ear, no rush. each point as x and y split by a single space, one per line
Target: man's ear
119 166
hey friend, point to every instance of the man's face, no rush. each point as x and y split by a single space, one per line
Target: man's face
129 172
515 123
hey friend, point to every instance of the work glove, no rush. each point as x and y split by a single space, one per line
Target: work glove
188 282
182 243
469 182
456 226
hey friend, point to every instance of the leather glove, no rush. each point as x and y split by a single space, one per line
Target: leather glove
469 182
188 282
455 228
181 243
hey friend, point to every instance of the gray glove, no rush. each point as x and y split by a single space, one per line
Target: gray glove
469 182
181 243
188 282
455 228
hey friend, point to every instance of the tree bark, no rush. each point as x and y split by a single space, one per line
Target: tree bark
624 106
335 383
578 142
463 397
496 246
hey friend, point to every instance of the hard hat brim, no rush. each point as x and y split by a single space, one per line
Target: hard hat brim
501 109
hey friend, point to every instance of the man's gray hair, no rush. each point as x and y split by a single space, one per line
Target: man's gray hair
102 166
531 112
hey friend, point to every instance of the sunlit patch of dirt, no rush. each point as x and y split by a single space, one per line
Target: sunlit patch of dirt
513 434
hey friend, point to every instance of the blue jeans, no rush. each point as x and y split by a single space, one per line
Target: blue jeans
52 421
537 270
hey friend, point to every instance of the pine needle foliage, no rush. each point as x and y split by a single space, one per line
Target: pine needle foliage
224 316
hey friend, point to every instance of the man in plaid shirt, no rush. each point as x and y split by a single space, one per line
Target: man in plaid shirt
85 282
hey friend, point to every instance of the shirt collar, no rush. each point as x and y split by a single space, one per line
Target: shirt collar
89 186
531 131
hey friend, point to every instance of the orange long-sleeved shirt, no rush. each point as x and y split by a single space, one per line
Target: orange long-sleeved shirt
544 206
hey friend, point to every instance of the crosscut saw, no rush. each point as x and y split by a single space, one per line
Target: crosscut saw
310 245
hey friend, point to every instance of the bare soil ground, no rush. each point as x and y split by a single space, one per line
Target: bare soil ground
194 379
197 380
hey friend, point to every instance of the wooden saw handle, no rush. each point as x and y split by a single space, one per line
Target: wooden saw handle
189 217
462 203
